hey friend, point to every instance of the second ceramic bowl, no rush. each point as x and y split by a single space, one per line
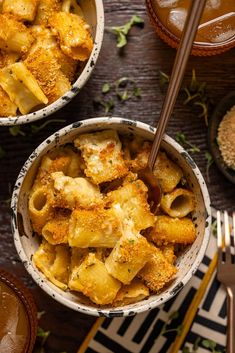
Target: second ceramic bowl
26 243
94 14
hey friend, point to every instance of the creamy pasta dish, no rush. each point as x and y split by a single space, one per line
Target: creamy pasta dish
43 44
97 233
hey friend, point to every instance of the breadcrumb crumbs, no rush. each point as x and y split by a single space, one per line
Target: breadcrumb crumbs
226 138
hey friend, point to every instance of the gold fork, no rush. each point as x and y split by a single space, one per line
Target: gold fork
226 273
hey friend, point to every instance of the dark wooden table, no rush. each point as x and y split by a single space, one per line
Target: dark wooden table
142 58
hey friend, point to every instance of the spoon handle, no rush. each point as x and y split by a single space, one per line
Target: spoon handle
184 50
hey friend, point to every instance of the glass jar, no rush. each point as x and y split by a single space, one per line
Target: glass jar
216 32
18 316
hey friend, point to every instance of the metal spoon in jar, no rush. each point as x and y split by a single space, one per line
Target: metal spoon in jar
185 45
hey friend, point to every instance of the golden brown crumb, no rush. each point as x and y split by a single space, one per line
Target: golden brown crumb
157 272
7 108
226 138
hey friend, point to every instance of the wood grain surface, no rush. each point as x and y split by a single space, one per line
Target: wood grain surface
142 58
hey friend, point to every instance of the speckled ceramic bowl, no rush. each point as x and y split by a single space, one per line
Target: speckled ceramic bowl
26 243
94 14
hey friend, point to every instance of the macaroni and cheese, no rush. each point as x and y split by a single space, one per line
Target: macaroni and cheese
43 45
97 233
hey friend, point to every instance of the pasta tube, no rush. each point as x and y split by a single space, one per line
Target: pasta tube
179 203
14 36
22 87
75 192
74 35
167 172
131 293
131 199
157 272
102 155
72 6
46 9
129 255
55 231
24 10
40 208
93 280
169 230
54 262
94 228
7 108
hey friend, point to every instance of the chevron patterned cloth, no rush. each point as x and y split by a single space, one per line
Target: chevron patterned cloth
142 333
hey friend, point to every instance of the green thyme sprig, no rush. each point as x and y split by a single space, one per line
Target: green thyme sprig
196 94
16 130
177 329
206 343
209 162
214 228
35 129
121 90
186 349
121 32
42 337
163 78
188 146
210 345
32 129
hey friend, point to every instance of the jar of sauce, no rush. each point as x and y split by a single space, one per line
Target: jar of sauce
18 316
216 32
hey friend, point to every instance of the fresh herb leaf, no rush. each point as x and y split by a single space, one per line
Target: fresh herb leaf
209 162
207 343
16 130
121 32
137 91
196 94
181 138
43 335
2 152
164 78
196 344
174 315
35 129
106 88
122 89
107 104
214 228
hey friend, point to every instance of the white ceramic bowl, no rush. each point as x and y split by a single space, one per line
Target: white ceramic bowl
26 243
94 14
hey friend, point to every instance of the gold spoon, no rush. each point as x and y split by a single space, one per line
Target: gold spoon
184 50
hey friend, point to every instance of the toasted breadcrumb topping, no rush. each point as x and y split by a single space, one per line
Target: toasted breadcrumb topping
226 138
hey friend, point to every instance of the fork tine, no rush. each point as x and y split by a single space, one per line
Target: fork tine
227 238
219 236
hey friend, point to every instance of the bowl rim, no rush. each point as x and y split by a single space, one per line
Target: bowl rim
119 311
77 85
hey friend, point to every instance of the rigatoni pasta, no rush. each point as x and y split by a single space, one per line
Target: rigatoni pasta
91 212
43 45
